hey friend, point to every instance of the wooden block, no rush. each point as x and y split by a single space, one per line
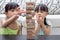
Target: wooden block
30 3
28 16
30 30
32 13
30 36
30 8
29 11
31 27
30 21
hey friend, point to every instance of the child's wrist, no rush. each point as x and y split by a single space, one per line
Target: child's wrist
38 24
16 15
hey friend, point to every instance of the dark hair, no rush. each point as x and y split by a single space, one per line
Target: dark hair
41 7
10 6
45 22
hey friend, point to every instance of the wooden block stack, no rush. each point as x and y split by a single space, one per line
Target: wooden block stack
30 22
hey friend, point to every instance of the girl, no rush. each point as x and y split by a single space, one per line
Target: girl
42 25
9 25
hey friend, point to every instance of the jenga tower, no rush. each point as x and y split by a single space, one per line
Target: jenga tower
30 22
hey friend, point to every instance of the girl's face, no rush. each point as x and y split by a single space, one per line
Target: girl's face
12 12
42 14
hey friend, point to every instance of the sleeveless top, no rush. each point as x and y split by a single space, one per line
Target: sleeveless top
8 31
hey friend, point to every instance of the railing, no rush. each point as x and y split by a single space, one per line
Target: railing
53 5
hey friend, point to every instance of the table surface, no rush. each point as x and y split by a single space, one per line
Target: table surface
23 37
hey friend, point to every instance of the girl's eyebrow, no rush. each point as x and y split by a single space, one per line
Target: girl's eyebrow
12 9
18 8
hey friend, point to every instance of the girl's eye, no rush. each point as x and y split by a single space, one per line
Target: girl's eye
17 9
41 11
12 10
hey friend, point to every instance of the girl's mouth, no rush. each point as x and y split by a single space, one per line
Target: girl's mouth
40 17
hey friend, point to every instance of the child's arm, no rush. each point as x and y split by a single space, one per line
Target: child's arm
46 29
8 21
37 28
43 26
19 30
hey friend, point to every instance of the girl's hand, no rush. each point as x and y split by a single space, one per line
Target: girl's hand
21 11
40 20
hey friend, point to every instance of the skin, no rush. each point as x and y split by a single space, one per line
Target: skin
40 19
12 16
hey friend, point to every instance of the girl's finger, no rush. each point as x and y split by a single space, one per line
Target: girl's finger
22 11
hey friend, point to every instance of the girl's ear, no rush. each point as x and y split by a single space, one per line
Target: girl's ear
46 14
6 13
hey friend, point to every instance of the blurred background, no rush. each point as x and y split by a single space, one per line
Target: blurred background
53 5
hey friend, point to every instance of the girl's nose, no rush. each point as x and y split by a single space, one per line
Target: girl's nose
39 14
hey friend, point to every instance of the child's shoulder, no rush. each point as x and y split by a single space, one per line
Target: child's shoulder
49 22
3 20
